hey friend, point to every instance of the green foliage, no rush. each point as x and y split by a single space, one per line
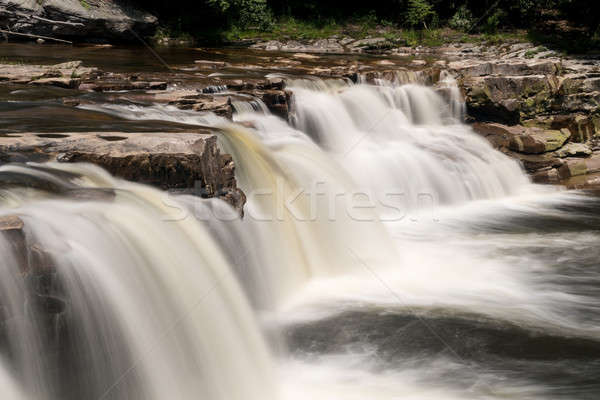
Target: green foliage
419 13
462 20
287 28
566 23
492 23
254 14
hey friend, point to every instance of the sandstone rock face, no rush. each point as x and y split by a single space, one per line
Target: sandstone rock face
190 162
73 19
517 91
547 108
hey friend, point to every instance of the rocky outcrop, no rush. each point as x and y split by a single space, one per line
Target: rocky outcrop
545 93
68 74
77 20
546 112
549 155
522 139
188 162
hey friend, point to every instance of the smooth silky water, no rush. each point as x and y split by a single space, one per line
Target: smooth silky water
387 251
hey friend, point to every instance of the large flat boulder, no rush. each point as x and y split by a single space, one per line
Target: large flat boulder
66 74
190 162
77 20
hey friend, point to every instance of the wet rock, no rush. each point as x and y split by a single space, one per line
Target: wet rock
582 127
577 167
574 150
537 162
306 56
418 63
63 75
110 85
277 101
546 176
211 64
330 45
365 44
10 223
508 99
474 68
190 161
523 139
67 83
11 228
590 181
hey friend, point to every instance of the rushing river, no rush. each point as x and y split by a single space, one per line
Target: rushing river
387 252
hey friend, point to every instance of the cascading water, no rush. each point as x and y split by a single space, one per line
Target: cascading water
10 390
429 282
153 309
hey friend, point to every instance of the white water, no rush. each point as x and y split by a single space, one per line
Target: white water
154 307
9 388
418 254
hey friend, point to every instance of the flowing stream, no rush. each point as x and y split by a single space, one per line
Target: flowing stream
387 252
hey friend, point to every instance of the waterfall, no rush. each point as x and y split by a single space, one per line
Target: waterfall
370 238
407 137
152 307
353 158
10 390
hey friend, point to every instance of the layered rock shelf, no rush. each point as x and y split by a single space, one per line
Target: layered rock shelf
185 162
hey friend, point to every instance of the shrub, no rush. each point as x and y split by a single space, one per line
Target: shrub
462 20
245 13
419 13
493 21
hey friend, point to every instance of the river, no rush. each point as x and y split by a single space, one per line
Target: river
386 252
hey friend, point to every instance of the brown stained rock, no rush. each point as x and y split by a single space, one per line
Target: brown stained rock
577 167
67 83
546 176
121 85
583 127
277 101
472 68
574 150
211 64
11 228
181 161
536 162
44 74
10 223
591 181
523 139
